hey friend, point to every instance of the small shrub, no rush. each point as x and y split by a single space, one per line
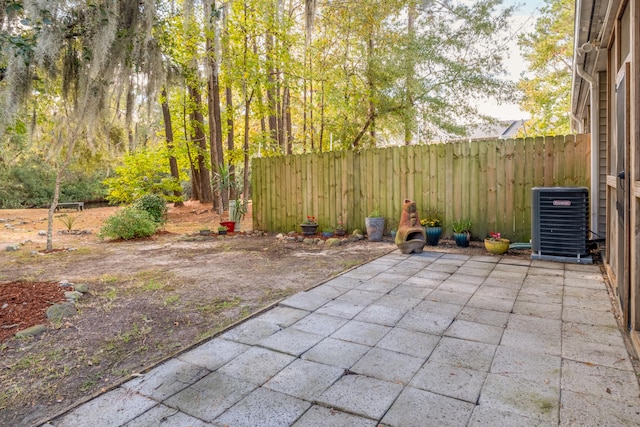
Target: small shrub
128 223
155 205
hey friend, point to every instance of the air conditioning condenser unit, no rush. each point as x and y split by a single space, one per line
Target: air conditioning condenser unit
560 224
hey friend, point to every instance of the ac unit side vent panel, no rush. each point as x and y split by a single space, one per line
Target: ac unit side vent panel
560 222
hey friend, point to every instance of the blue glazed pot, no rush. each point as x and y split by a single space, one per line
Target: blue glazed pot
462 239
433 235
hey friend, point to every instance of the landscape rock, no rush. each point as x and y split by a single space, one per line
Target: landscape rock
290 239
81 287
309 241
42 233
57 312
357 232
64 283
333 242
280 236
31 332
13 247
72 296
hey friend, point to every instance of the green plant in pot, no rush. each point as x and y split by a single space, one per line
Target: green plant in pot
327 232
222 230
375 225
462 232
238 205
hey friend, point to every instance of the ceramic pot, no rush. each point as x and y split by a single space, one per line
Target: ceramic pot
230 225
309 229
497 246
433 235
462 239
375 228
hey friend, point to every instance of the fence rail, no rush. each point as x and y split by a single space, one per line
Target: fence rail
488 182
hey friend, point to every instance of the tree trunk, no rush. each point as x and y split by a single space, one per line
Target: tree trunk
272 90
56 189
200 140
232 168
226 63
168 131
215 119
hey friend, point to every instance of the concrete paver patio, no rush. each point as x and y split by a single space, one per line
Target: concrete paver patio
433 339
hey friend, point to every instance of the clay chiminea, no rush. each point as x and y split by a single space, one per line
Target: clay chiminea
410 237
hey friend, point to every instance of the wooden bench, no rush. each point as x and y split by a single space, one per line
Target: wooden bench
79 206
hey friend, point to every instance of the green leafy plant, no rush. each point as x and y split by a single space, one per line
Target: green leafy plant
155 205
431 219
222 228
68 221
128 223
375 213
327 230
142 172
462 226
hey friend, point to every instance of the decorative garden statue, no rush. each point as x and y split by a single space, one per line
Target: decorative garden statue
410 237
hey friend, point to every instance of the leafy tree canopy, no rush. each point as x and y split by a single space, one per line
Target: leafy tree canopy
546 92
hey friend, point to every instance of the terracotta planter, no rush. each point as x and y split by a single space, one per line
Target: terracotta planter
497 246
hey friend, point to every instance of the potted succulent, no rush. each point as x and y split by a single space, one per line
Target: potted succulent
375 225
309 226
339 229
496 244
433 227
222 230
327 232
462 232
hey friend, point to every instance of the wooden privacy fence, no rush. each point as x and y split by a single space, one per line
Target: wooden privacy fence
488 182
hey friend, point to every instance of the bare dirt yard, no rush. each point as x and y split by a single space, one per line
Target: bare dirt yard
147 300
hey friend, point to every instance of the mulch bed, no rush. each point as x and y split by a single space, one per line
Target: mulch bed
23 304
